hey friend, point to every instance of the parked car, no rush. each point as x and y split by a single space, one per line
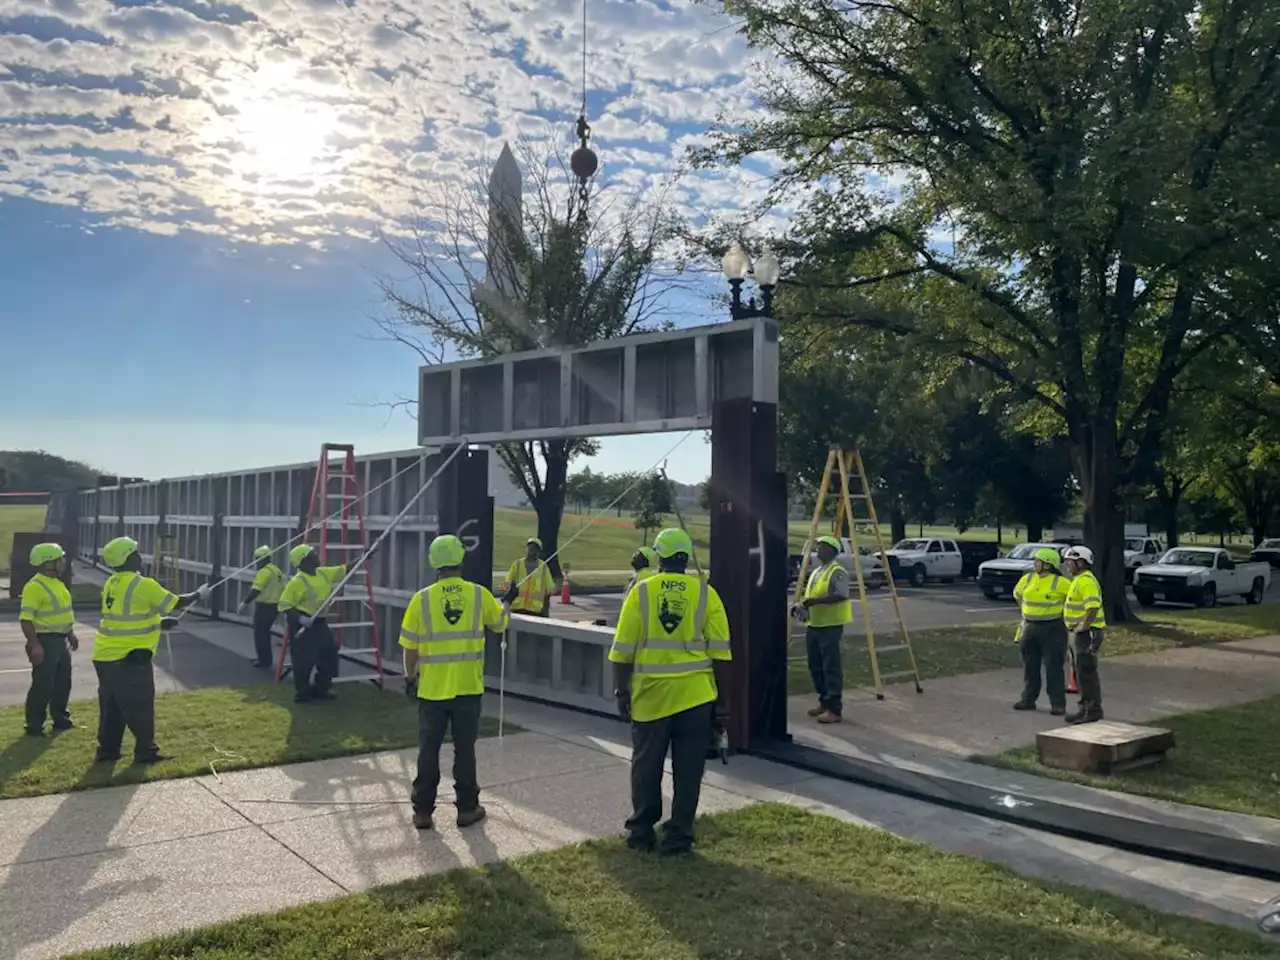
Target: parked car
1140 552
926 559
1200 576
997 578
975 554
1268 551
872 568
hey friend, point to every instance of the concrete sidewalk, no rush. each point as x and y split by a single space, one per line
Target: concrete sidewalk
127 863
973 714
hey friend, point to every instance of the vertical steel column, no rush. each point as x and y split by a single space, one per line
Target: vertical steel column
464 508
748 504
220 492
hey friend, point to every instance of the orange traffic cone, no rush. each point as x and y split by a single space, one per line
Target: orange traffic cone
565 598
1072 686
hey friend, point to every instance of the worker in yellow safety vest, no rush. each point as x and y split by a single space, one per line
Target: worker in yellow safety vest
443 636
264 594
1042 594
826 608
48 624
135 610
670 654
645 564
311 641
529 584
1086 622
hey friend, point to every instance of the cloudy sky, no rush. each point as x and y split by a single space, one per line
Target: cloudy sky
191 192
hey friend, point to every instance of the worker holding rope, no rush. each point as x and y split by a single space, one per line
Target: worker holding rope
134 611
443 636
264 594
529 582
670 654
645 564
311 640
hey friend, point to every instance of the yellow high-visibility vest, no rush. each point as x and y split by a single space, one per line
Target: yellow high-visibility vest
671 627
445 624
1085 595
535 589
46 602
1042 596
307 592
269 582
132 608
827 614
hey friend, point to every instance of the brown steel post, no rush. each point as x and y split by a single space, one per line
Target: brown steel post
464 508
748 502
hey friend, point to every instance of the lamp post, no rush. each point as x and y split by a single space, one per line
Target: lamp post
736 265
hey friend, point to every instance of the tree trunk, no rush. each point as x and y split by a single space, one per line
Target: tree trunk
1095 451
897 523
550 505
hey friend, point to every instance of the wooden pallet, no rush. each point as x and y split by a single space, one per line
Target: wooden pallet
1103 747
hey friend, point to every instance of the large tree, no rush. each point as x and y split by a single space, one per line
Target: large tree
561 267
1059 192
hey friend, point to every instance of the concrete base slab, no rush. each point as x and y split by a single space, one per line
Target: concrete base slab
1103 747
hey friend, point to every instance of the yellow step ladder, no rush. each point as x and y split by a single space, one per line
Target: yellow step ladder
844 463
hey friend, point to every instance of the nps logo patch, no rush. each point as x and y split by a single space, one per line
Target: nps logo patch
452 604
672 606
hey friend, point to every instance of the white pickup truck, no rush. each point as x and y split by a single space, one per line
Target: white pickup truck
872 568
1200 576
1140 552
927 559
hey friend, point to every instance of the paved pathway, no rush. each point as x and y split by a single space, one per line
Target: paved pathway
125 863
972 714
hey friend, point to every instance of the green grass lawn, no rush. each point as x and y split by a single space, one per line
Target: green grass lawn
979 647
1227 758
256 726
24 519
770 881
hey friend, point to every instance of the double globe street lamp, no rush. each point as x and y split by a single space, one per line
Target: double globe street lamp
736 265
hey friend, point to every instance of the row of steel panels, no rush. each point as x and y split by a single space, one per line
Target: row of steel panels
216 521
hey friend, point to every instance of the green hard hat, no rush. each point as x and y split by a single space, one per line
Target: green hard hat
119 550
831 542
301 550
650 557
261 552
43 553
446 551
1049 556
670 542
535 541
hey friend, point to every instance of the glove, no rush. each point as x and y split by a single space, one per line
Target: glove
305 621
168 623
240 607
35 653
204 591
722 714
411 688
624 704
511 594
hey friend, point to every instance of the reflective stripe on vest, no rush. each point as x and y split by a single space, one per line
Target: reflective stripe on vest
827 614
1038 602
124 631
1074 610
525 602
57 617
431 635
696 647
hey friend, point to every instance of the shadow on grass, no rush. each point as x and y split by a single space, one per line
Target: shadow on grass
19 754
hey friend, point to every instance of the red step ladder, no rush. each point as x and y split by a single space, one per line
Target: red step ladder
342 539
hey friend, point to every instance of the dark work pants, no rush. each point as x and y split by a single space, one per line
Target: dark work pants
264 618
685 735
314 649
50 682
462 716
127 698
825 668
1044 643
1086 648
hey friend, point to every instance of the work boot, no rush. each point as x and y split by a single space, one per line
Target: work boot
1024 705
422 821
640 844
33 731
148 759
1084 716
104 757
826 716
817 711
468 817
66 723
1057 711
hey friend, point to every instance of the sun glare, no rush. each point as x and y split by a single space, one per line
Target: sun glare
283 138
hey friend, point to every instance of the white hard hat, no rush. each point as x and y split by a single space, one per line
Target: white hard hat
1078 553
